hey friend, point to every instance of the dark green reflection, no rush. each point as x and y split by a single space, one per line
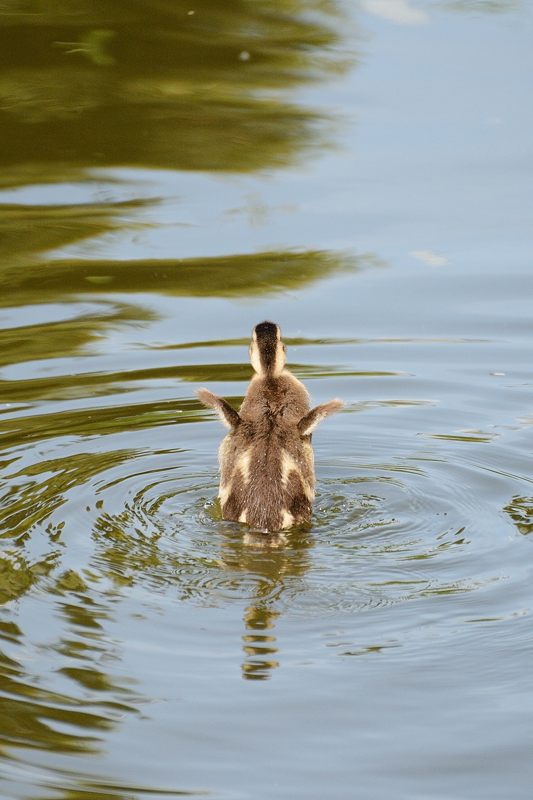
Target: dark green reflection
85 384
244 342
86 788
150 84
27 231
33 717
114 419
30 496
223 276
59 338
520 509
86 701
18 573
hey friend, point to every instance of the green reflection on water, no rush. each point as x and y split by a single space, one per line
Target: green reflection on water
150 84
26 231
85 702
223 276
18 574
34 717
36 491
97 421
81 788
31 715
520 509
69 387
58 338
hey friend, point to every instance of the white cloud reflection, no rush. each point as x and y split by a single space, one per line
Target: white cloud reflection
399 11
429 258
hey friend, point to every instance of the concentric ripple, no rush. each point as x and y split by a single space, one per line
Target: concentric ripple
109 523
133 511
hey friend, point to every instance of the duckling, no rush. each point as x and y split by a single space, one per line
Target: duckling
267 476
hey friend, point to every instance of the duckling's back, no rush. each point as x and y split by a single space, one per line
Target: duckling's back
266 461
267 475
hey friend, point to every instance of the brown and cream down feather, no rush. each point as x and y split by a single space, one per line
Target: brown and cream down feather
267 476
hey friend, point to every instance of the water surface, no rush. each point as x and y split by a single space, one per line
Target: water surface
171 174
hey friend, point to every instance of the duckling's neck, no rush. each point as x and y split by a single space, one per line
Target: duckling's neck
267 361
267 374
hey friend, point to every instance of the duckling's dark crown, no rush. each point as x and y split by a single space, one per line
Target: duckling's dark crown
266 330
266 335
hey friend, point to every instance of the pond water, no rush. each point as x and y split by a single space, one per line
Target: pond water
171 174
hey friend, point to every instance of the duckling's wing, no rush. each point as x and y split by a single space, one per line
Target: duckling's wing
227 414
308 423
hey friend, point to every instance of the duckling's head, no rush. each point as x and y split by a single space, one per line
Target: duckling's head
267 351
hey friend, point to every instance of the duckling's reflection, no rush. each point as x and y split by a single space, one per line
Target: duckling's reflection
273 563
260 645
